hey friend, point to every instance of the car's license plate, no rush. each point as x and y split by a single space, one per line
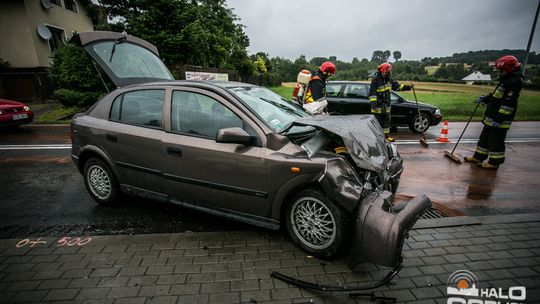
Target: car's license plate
19 116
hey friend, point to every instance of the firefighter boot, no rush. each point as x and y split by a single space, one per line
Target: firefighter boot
472 159
487 165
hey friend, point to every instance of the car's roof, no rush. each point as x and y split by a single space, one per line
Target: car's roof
348 81
221 84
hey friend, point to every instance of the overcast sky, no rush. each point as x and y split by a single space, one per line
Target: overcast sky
354 28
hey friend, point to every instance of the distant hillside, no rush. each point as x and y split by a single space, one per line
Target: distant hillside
483 56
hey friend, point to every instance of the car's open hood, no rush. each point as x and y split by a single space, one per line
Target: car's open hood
126 59
362 135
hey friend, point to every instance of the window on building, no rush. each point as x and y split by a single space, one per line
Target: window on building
71 5
57 39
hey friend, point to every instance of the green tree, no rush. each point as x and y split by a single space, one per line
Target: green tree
386 55
197 32
75 77
378 56
397 55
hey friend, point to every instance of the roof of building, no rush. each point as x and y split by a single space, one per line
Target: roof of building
477 76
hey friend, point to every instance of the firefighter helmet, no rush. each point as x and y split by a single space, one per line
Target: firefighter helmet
385 68
507 63
328 67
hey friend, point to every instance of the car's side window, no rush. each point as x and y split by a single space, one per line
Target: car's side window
201 115
332 90
143 107
394 98
355 91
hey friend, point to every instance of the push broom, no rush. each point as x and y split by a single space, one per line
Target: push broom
451 154
423 141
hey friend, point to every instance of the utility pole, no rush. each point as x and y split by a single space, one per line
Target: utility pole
531 38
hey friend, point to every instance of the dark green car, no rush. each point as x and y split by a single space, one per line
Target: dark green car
350 97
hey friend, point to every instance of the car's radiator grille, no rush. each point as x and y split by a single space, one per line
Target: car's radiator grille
13 110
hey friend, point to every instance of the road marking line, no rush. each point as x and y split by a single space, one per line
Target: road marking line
399 142
36 147
468 141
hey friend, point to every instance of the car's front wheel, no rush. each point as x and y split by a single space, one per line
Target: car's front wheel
315 224
100 182
419 123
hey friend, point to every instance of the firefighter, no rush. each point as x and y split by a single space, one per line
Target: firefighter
379 96
501 107
317 84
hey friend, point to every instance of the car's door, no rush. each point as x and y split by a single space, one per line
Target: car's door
133 138
210 174
354 99
333 91
400 110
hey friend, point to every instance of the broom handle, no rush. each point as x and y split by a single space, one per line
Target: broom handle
470 118
463 132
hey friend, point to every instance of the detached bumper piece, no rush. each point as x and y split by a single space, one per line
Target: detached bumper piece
379 233
378 237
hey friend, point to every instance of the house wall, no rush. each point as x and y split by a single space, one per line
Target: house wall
21 44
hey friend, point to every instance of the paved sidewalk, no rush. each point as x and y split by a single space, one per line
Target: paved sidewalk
235 267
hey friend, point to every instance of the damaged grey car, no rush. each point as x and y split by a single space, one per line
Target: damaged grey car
242 152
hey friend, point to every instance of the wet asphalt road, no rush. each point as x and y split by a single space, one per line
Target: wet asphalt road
42 193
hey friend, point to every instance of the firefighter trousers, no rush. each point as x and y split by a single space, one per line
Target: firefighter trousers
491 145
384 121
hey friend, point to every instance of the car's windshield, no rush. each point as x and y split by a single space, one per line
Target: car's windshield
269 106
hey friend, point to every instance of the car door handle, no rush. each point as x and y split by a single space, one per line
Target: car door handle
112 138
174 152
341 101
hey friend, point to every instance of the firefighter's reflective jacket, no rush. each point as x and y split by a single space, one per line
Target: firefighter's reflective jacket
316 88
502 104
379 93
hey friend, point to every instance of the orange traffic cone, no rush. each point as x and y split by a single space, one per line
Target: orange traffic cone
444 133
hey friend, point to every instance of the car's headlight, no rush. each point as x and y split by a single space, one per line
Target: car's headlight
26 108
438 112
1 112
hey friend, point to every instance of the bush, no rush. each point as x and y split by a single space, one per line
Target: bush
271 79
69 97
76 78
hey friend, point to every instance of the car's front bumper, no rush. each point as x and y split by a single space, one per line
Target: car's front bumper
379 232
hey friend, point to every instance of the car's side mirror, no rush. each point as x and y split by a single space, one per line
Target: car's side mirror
400 100
233 136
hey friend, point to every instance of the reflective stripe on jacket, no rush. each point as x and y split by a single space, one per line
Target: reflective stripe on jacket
502 104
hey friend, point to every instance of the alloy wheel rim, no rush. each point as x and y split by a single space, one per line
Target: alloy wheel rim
313 223
420 123
99 182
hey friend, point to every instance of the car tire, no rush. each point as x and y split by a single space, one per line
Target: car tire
101 182
315 224
419 125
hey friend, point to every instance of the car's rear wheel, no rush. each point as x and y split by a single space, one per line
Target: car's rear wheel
100 182
419 124
315 224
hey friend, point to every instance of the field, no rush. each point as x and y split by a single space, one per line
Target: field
455 100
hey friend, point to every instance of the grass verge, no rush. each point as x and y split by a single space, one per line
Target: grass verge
57 114
456 101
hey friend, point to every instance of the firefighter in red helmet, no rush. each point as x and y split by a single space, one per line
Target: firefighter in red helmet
317 85
379 96
501 107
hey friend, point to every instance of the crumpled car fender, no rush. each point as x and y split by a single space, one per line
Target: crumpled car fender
341 184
